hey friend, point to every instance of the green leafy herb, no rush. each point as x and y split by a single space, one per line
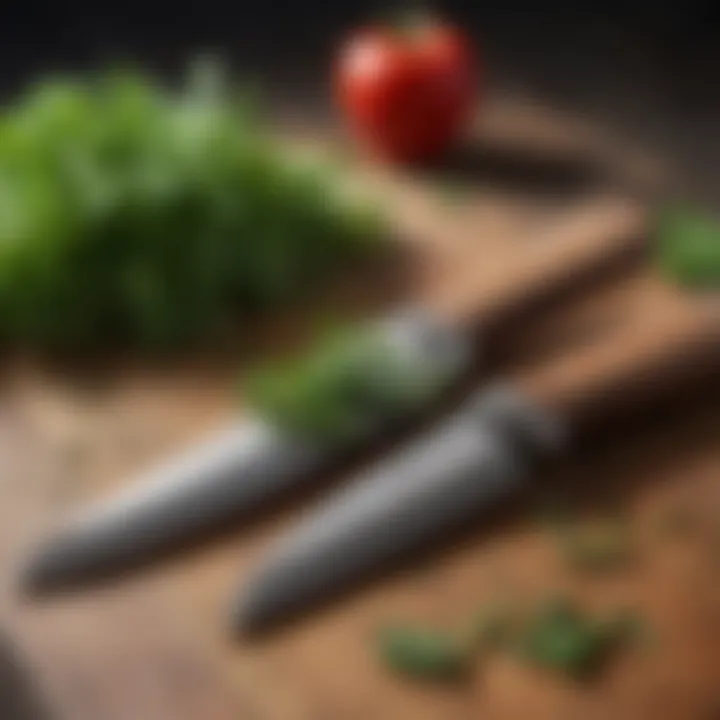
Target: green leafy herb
129 214
689 247
424 654
561 637
555 635
347 381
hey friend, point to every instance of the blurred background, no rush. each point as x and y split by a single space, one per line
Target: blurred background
645 66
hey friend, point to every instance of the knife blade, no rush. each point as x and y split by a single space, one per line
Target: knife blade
397 506
448 475
229 476
247 466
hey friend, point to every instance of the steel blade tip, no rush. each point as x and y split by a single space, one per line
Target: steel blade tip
70 560
258 608
49 568
270 598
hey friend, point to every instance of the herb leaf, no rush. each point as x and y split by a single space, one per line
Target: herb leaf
423 654
133 215
689 247
341 386
561 637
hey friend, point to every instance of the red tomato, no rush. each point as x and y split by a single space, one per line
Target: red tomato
407 94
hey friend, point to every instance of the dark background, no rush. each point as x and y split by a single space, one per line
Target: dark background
647 67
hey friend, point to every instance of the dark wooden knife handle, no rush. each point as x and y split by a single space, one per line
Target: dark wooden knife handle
667 342
560 260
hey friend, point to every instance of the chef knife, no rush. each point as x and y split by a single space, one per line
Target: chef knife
443 479
244 467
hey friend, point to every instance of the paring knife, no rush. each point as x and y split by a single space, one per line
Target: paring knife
250 464
445 477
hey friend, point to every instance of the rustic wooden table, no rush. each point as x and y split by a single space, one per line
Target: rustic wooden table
155 646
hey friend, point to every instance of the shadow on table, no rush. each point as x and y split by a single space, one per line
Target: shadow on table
518 169
19 699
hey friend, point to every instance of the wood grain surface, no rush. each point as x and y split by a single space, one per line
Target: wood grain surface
155 646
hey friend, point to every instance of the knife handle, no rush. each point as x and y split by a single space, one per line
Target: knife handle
561 259
663 346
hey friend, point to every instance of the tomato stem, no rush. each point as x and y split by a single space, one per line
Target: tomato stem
412 20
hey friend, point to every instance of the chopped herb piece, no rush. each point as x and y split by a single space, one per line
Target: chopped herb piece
689 247
561 637
557 636
424 654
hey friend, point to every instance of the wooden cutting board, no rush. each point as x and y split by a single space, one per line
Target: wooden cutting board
155 646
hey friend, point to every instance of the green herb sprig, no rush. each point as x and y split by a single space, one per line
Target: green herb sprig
348 381
560 637
689 247
137 216
554 635
425 654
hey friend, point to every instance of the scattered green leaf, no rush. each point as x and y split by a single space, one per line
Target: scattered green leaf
424 654
689 247
561 637
555 635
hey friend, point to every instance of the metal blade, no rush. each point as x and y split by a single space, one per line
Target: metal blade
232 473
402 503
231 476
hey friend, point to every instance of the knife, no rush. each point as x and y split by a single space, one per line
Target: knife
249 464
447 476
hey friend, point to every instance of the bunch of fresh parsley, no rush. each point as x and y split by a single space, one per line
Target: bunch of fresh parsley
135 215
